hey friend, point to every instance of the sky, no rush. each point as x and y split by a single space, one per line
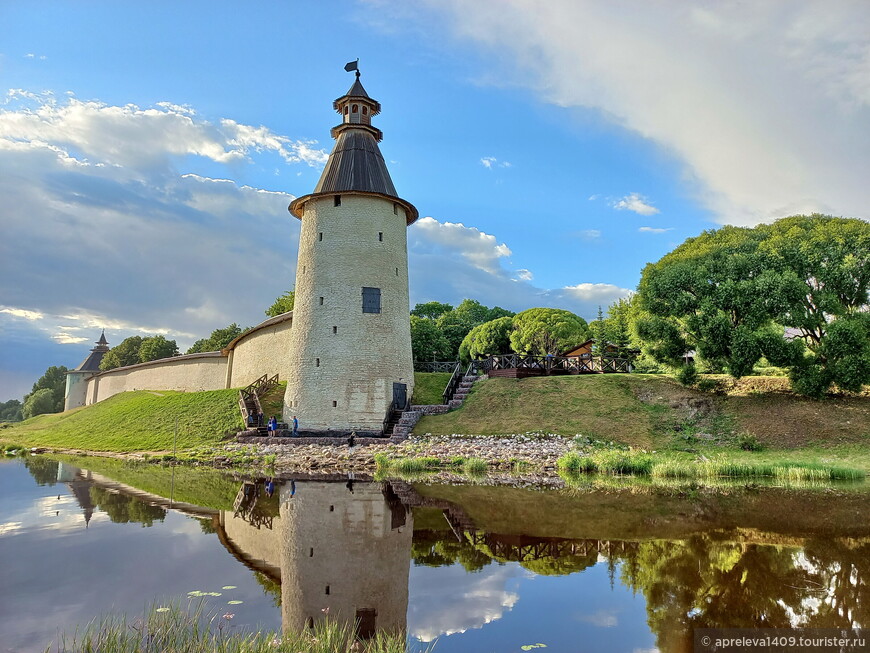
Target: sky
148 151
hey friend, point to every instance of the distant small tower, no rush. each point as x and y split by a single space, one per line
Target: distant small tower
76 388
351 337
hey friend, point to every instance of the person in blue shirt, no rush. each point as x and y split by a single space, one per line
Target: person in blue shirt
295 426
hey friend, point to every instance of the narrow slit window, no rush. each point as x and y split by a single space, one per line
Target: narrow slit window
321 301
331 508
337 200
397 272
316 362
320 236
395 208
371 300
365 111
381 236
335 329
310 553
327 590
335 404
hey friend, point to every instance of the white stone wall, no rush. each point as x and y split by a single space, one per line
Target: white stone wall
343 362
262 351
76 389
191 373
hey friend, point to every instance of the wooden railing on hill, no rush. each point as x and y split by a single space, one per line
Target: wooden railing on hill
434 366
546 365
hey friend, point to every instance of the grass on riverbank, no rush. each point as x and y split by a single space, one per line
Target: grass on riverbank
635 463
134 421
655 412
429 387
169 628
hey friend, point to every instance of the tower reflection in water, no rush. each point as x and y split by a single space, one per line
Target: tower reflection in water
339 549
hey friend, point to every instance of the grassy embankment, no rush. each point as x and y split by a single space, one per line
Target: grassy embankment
144 421
754 421
140 421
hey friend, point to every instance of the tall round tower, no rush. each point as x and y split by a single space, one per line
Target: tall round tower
351 338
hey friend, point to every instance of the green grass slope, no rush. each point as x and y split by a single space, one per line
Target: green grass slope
654 411
601 406
429 386
134 421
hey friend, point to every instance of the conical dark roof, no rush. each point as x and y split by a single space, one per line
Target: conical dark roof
92 362
356 163
357 90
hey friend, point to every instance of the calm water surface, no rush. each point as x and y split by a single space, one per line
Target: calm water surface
604 567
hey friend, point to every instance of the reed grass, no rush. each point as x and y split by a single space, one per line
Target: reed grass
630 463
475 466
175 630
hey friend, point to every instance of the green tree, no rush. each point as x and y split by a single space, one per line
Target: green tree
10 411
456 324
489 338
729 293
39 403
155 348
825 262
124 353
218 339
431 310
283 304
53 379
427 341
547 331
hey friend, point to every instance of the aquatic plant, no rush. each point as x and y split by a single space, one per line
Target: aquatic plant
475 466
171 628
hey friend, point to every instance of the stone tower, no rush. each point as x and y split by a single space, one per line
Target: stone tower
75 394
350 358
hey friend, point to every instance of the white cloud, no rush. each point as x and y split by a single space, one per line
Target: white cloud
22 313
524 275
767 105
600 293
654 230
449 600
479 248
592 198
588 234
601 618
635 202
125 241
489 162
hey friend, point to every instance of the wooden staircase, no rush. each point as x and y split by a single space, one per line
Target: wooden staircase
249 402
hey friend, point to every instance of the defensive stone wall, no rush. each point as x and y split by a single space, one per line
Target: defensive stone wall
190 373
262 350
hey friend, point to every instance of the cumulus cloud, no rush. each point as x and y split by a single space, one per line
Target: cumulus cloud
767 105
634 202
597 293
654 230
119 239
449 600
479 248
449 262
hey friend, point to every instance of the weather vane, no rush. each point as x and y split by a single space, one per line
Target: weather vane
352 65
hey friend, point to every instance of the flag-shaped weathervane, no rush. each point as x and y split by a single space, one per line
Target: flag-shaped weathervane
352 65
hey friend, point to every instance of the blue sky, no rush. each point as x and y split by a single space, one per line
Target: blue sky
149 151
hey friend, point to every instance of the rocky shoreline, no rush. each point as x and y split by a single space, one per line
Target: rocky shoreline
536 452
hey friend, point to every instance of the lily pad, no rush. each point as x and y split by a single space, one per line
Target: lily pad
234 602
228 587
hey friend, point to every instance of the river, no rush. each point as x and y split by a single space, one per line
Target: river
609 565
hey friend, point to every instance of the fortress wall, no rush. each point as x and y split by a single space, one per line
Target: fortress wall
191 373
263 350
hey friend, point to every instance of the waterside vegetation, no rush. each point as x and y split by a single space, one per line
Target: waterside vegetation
168 629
